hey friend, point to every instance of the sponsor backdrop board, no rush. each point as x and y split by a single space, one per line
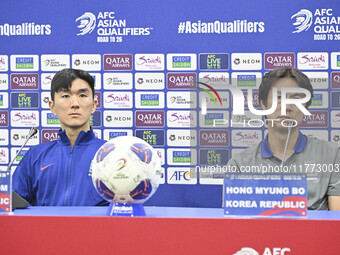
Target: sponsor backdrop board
147 59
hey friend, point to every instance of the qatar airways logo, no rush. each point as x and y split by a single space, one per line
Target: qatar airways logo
277 60
149 118
181 80
318 119
118 62
3 118
214 138
49 135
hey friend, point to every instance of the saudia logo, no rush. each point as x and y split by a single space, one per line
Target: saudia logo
310 59
18 117
181 117
337 118
143 60
243 136
117 98
221 78
2 153
47 79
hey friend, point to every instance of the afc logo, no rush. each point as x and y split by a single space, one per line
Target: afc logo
267 251
181 175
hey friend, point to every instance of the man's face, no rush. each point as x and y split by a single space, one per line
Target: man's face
292 112
75 106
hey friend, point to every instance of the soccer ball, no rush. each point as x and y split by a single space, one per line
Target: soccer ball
126 169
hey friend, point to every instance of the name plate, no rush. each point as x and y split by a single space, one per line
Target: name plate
265 194
5 192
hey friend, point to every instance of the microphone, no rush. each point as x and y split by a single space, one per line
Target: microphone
290 127
33 131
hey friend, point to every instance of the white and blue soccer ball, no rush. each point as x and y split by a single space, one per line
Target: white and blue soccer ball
126 169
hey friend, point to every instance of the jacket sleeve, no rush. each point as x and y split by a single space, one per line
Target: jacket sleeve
334 184
22 181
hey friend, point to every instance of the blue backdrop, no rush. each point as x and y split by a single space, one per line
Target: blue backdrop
39 38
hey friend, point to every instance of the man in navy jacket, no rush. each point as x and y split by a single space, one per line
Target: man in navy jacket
56 173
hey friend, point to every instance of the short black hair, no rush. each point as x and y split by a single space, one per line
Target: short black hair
270 78
63 79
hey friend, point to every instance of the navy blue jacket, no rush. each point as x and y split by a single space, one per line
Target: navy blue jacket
54 174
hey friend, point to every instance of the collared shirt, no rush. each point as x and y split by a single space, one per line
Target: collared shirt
266 152
320 160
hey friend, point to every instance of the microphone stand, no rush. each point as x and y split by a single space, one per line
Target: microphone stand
16 200
31 133
287 140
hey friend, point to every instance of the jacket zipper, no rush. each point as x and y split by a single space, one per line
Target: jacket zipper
68 177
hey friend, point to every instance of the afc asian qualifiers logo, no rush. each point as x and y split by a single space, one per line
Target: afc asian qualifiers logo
303 20
87 23
267 251
323 22
108 27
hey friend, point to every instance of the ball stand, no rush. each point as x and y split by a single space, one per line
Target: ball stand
127 210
